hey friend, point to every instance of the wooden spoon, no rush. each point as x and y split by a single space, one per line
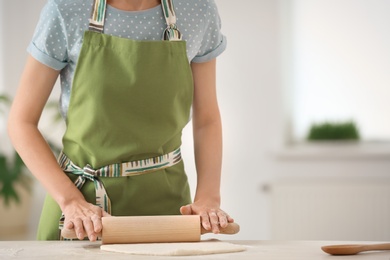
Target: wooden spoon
353 249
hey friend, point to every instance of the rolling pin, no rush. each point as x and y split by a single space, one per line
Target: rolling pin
152 229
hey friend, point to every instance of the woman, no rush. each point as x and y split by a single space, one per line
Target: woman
126 96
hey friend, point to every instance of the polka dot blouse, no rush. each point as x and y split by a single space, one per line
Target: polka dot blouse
59 34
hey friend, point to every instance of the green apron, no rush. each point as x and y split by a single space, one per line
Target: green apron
130 101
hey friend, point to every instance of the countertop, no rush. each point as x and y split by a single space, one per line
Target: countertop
269 250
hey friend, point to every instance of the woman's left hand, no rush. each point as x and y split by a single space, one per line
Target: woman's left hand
211 216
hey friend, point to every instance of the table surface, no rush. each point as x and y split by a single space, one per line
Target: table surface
270 250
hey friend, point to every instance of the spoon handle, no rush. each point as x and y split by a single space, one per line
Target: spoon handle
384 246
354 249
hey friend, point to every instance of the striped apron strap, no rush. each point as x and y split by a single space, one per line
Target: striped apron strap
96 22
171 33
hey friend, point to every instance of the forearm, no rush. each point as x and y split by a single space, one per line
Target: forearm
208 158
39 159
207 133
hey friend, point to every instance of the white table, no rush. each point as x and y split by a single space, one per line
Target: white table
268 250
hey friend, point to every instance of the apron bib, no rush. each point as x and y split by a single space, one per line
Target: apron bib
130 101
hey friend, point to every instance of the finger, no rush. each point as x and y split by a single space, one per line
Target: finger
97 223
88 227
223 221
68 224
214 222
204 218
79 229
186 210
230 219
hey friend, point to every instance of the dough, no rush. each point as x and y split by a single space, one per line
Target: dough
175 249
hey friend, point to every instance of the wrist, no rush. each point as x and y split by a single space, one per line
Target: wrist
69 196
213 199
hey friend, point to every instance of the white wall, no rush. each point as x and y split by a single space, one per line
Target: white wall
300 22
254 107
19 18
2 25
340 63
2 83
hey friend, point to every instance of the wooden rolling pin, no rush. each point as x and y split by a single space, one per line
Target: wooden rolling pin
152 229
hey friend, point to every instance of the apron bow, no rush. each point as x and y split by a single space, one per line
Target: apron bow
88 173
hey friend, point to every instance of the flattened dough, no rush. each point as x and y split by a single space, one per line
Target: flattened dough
175 249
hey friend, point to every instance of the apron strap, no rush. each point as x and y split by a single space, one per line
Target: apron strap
96 22
171 33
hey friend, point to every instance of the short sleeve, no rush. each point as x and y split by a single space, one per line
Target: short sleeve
213 42
49 43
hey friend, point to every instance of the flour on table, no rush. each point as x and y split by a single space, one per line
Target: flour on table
175 249
10 252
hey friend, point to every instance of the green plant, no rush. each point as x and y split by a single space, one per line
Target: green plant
334 131
12 169
4 101
11 174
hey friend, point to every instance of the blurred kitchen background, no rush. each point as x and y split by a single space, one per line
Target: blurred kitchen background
289 64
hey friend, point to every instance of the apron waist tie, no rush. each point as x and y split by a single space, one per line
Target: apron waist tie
114 170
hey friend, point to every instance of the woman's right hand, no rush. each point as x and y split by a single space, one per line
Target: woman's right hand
85 218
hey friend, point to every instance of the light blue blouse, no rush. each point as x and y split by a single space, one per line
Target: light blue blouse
58 36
